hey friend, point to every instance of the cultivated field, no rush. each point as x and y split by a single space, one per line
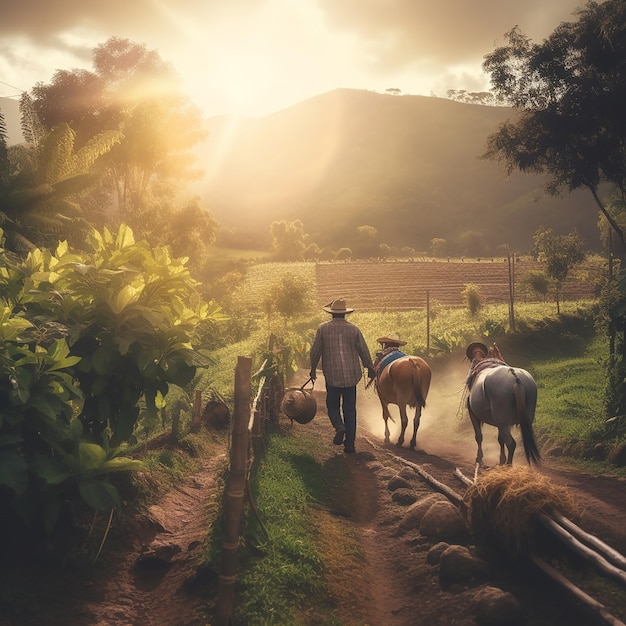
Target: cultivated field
405 285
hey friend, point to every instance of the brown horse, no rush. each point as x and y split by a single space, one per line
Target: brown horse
403 382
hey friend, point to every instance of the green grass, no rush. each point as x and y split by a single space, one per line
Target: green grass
287 578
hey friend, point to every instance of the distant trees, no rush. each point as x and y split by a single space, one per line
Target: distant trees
472 243
438 247
367 241
288 240
486 98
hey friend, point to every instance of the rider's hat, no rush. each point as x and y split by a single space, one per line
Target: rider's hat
391 338
469 351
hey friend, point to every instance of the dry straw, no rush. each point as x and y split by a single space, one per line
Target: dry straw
502 506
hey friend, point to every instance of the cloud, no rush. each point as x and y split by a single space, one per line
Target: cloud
447 32
263 54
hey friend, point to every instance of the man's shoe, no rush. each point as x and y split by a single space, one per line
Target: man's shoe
339 435
349 450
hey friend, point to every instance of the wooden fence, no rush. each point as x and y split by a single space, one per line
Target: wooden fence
248 428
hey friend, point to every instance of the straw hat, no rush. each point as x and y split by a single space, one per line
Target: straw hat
392 338
473 346
337 306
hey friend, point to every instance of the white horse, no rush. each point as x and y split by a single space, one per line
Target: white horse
502 396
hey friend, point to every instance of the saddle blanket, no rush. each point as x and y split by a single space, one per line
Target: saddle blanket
483 365
389 358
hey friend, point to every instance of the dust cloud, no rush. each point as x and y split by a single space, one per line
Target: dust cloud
445 429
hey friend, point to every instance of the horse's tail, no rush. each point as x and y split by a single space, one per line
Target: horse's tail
528 438
420 388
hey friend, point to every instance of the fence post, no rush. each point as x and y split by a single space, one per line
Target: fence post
235 492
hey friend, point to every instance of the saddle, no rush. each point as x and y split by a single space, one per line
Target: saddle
482 365
381 364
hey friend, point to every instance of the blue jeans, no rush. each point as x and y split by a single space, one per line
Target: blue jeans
338 398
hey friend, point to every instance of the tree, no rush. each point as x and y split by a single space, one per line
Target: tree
288 240
40 183
134 91
559 254
438 247
367 241
472 243
289 296
569 92
538 281
569 95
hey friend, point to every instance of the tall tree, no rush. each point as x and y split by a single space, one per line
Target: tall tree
569 92
559 254
131 90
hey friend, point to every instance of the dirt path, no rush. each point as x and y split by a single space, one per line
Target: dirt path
381 579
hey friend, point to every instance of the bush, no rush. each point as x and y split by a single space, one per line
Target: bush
472 298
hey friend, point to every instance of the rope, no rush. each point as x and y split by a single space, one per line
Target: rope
460 412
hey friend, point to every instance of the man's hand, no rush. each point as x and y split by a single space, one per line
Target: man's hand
371 372
313 375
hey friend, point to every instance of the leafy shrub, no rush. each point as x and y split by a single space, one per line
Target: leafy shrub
472 298
87 339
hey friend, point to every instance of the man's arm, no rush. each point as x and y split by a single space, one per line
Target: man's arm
364 355
316 353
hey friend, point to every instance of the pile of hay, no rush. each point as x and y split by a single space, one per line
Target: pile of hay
501 507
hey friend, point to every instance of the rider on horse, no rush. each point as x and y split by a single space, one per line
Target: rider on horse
481 358
390 351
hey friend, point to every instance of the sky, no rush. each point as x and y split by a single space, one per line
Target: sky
254 57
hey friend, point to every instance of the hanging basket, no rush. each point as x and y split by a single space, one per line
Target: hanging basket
299 404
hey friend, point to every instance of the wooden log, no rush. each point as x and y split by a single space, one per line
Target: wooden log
452 495
593 605
611 555
235 493
582 550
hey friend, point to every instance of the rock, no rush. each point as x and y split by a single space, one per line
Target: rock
494 607
444 521
416 512
397 482
407 473
163 553
434 554
458 565
404 496
385 473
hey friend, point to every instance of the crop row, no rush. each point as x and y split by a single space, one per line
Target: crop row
405 285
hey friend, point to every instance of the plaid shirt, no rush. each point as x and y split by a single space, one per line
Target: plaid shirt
340 345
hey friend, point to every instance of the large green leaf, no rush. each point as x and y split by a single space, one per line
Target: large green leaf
92 456
99 495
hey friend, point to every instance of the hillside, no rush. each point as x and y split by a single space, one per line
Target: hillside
407 165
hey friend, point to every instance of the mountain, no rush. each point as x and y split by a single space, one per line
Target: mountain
11 112
408 166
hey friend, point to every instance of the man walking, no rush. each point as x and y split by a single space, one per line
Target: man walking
342 348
